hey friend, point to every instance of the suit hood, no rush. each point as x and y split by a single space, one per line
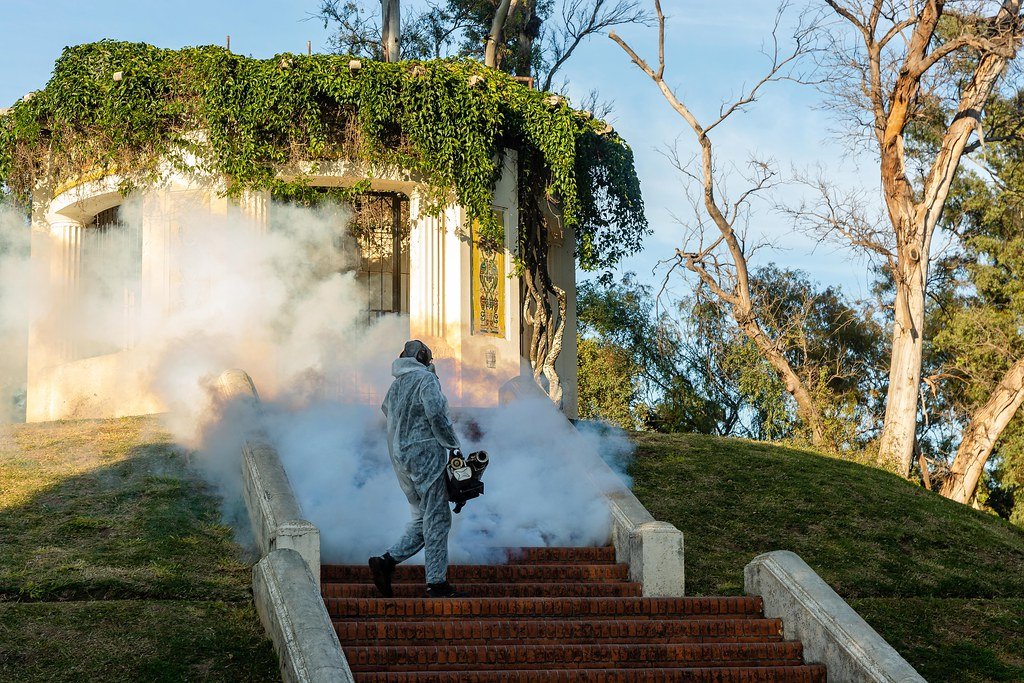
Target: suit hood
404 366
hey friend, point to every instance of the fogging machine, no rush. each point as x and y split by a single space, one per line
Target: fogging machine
463 477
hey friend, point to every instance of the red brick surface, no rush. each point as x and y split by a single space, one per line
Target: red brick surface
488 573
560 555
781 674
480 657
595 608
621 589
539 631
552 615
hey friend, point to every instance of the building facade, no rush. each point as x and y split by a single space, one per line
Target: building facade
463 301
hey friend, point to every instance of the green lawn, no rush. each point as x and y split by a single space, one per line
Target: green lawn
942 582
114 565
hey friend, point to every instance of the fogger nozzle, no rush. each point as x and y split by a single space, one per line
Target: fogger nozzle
478 461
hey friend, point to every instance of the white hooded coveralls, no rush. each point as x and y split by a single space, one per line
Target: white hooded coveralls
419 433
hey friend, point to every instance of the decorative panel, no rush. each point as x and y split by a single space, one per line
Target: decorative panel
488 289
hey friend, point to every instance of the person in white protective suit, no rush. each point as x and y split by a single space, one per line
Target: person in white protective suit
420 439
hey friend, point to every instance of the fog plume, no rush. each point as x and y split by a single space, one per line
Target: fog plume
284 304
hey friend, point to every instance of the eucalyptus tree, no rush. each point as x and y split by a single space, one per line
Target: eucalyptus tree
891 64
981 335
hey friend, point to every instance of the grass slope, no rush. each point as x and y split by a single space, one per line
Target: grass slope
114 565
943 583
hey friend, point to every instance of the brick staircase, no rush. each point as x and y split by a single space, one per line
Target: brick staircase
552 614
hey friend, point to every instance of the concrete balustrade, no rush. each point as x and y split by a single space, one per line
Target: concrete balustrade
832 633
293 614
274 511
286 583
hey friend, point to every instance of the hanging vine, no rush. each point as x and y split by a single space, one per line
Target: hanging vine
143 112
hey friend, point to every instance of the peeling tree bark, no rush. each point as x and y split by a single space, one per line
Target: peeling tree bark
391 25
900 426
496 37
986 426
914 216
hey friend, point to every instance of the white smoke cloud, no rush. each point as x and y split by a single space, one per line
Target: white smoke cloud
284 305
17 280
538 490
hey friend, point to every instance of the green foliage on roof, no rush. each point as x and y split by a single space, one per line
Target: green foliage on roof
140 110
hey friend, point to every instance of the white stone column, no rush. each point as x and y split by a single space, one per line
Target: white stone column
562 266
56 257
159 230
427 316
65 284
252 208
472 367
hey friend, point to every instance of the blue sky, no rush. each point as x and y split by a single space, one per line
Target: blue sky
712 51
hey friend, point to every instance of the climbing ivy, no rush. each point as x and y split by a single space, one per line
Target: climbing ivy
140 111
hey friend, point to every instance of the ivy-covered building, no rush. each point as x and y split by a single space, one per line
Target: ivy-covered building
476 197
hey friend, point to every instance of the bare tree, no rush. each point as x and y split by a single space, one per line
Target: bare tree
720 253
357 31
898 66
582 19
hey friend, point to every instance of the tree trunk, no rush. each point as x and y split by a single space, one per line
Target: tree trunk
914 221
896 448
492 52
527 34
545 322
391 30
806 408
986 426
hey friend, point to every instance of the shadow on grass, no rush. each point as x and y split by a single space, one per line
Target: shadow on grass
141 527
114 562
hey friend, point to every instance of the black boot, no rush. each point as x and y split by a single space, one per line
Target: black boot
444 590
382 569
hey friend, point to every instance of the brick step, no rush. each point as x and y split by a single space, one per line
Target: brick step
763 674
602 555
483 573
492 590
522 608
541 631
501 657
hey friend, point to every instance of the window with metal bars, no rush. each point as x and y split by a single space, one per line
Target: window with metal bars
380 226
110 274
